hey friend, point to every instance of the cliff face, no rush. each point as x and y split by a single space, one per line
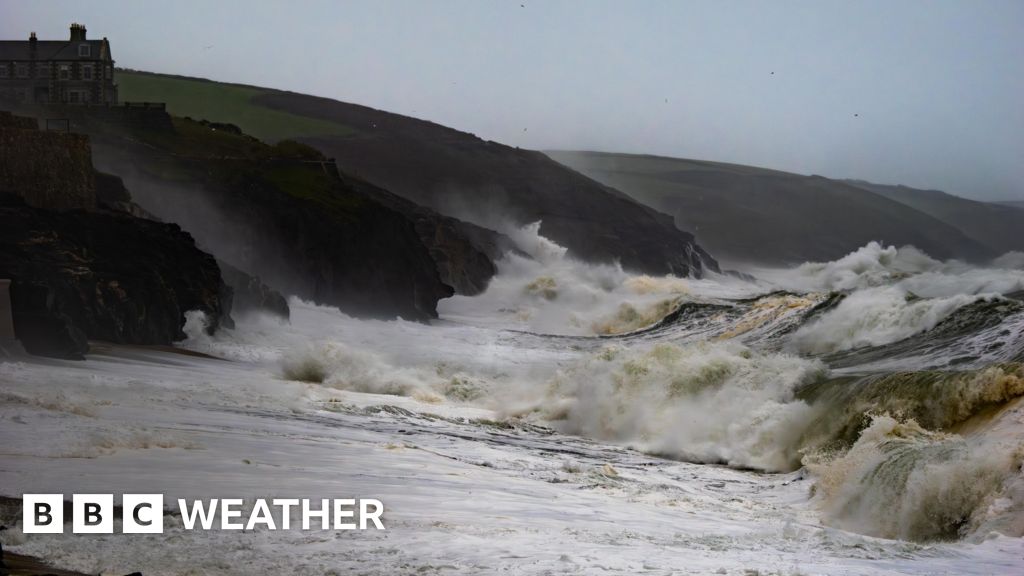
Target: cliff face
279 212
90 275
464 253
50 170
452 172
250 294
81 265
461 175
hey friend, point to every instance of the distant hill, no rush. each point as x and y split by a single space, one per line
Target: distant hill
453 172
1000 227
744 213
1013 203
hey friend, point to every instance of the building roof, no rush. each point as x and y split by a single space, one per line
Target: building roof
52 50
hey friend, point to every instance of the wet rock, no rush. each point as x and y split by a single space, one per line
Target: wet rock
78 275
251 294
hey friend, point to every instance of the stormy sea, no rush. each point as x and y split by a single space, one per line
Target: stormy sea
859 416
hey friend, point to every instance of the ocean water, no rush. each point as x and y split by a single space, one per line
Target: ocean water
861 416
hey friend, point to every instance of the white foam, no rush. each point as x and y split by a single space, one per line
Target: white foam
704 402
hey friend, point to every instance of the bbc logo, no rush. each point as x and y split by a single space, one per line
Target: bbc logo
93 513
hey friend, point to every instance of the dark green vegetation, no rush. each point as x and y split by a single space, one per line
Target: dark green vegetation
1000 227
230 103
750 214
452 172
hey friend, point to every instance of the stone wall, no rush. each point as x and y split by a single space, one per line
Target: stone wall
51 170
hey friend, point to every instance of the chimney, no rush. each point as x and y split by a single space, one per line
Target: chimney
77 32
32 45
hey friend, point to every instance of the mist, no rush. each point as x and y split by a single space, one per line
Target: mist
919 93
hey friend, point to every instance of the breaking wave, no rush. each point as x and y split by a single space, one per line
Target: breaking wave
542 290
889 375
708 402
903 481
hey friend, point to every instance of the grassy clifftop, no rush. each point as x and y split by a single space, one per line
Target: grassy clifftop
222 102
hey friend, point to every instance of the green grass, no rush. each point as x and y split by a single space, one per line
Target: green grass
219 102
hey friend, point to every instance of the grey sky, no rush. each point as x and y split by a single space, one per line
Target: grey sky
937 85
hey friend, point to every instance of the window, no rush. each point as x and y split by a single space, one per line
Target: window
75 96
87 71
22 70
3 70
84 50
110 73
42 70
65 71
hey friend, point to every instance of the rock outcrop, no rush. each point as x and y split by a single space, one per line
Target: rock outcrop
463 252
281 213
80 275
251 294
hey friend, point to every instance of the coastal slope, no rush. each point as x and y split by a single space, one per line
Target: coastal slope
749 214
452 172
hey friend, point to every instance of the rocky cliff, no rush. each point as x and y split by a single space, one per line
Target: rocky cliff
251 294
81 265
463 252
461 175
279 212
454 173
80 275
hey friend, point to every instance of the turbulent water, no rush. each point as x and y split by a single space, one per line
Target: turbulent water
862 416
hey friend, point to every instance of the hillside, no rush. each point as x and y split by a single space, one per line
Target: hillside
999 227
750 214
280 212
452 172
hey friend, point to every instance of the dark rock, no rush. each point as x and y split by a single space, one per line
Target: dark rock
463 252
279 212
112 195
250 294
92 275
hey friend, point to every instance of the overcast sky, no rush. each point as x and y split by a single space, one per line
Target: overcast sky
924 93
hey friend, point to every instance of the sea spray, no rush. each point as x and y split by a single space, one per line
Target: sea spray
545 291
706 370
875 265
902 481
707 402
339 366
873 317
